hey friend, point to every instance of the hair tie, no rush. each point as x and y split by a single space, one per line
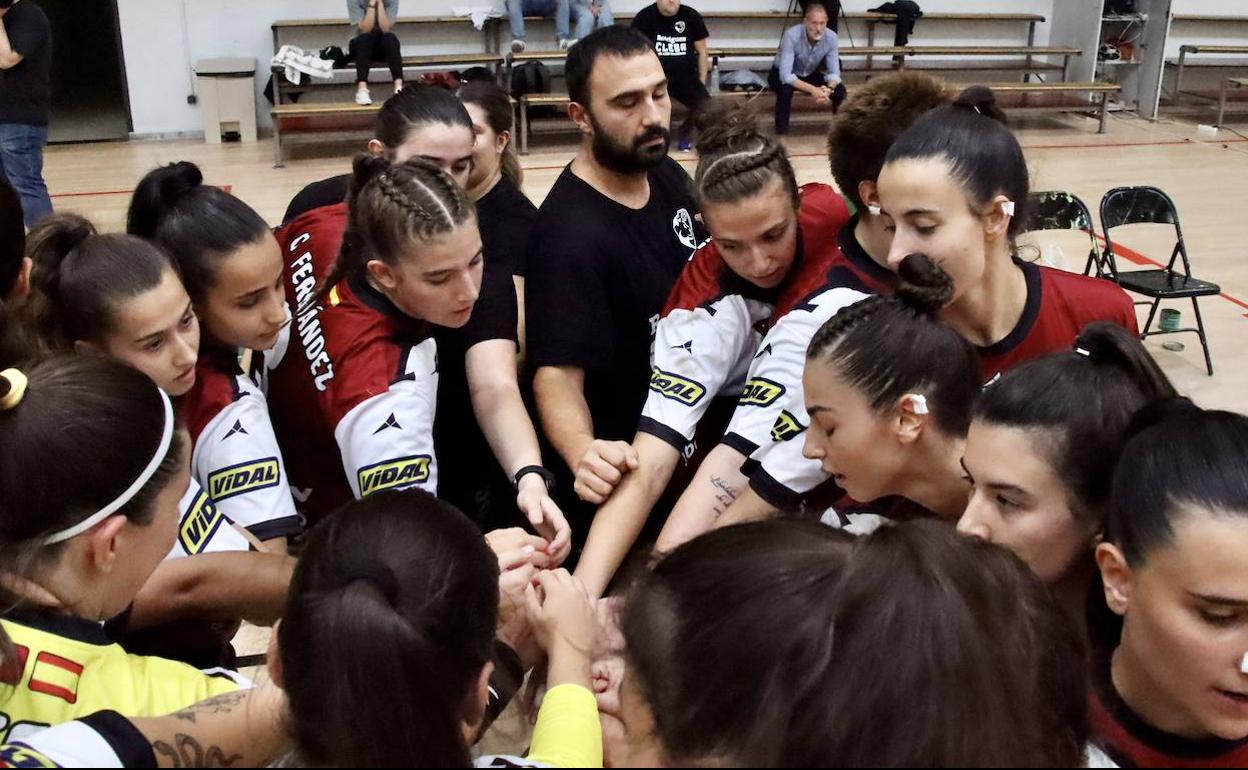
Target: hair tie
379 575
17 389
162 449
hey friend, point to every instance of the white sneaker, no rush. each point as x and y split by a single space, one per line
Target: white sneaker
363 98
567 44
518 46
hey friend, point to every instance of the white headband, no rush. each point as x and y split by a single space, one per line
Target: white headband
125 497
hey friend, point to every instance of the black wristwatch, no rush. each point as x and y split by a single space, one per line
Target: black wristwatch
546 475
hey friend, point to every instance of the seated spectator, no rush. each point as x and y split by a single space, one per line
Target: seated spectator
808 61
681 40
589 15
518 9
375 21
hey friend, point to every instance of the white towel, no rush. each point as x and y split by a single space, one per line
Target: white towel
478 13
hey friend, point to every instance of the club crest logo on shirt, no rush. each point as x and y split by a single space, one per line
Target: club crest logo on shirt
680 28
676 388
682 225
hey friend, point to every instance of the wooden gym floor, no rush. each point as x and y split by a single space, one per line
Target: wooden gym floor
1208 178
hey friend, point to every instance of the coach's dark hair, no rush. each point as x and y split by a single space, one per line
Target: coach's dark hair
389 624
703 623
886 347
1180 458
949 652
85 429
79 277
1083 400
736 159
872 119
616 40
501 117
416 106
392 206
12 239
983 154
199 225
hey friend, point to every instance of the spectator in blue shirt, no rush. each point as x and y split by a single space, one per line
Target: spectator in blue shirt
809 62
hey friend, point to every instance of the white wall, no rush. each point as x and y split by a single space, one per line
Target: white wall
160 37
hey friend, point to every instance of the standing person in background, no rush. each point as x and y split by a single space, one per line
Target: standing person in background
25 98
375 22
681 40
809 62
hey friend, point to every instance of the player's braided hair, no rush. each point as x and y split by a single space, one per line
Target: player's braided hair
737 159
392 206
887 347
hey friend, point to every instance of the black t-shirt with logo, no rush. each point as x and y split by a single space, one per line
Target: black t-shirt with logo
599 276
673 38
26 90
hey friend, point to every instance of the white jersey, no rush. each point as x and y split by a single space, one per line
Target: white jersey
236 457
771 416
204 528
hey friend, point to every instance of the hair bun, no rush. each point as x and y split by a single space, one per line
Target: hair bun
157 193
982 100
178 179
722 124
924 286
365 168
1162 411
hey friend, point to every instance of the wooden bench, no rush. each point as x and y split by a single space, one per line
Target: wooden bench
437 61
1196 50
343 27
318 118
1208 19
1227 85
1101 92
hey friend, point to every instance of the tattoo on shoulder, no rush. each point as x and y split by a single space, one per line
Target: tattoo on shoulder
188 752
221 704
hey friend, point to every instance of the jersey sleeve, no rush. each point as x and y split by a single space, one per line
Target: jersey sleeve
386 441
568 731
699 354
203 527
103 739
772 409
778 469
238 461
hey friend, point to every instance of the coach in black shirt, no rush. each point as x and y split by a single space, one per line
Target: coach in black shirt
680 38
610 240
25 99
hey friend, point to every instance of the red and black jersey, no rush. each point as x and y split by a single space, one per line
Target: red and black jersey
236 458
714 320
353 383
1131 742
1059 305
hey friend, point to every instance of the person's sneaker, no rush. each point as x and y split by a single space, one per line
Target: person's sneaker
567 43
518 46
363 98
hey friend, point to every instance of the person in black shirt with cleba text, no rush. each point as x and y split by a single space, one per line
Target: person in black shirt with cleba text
681 40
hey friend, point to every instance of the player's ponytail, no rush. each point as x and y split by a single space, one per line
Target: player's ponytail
389 626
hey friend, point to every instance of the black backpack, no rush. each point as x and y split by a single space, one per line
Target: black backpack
531 77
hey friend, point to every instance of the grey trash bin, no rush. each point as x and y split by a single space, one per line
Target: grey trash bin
227 97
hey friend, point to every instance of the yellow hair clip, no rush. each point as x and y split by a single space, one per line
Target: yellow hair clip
17 389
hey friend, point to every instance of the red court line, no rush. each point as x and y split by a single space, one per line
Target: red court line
1139 259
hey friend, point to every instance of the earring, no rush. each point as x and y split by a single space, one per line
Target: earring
1008 208
875 210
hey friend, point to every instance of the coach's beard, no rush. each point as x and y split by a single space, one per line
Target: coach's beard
634 158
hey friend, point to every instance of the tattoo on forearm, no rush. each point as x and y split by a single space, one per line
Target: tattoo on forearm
189 752
725 495
221 704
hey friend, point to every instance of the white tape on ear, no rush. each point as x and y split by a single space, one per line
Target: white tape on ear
918 403
1243 664
875 210
1008 208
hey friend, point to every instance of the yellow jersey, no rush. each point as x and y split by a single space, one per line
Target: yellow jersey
67 668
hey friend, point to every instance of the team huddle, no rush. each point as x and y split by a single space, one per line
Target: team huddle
720 469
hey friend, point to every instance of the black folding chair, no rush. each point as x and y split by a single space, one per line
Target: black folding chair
1055 210
1149 205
